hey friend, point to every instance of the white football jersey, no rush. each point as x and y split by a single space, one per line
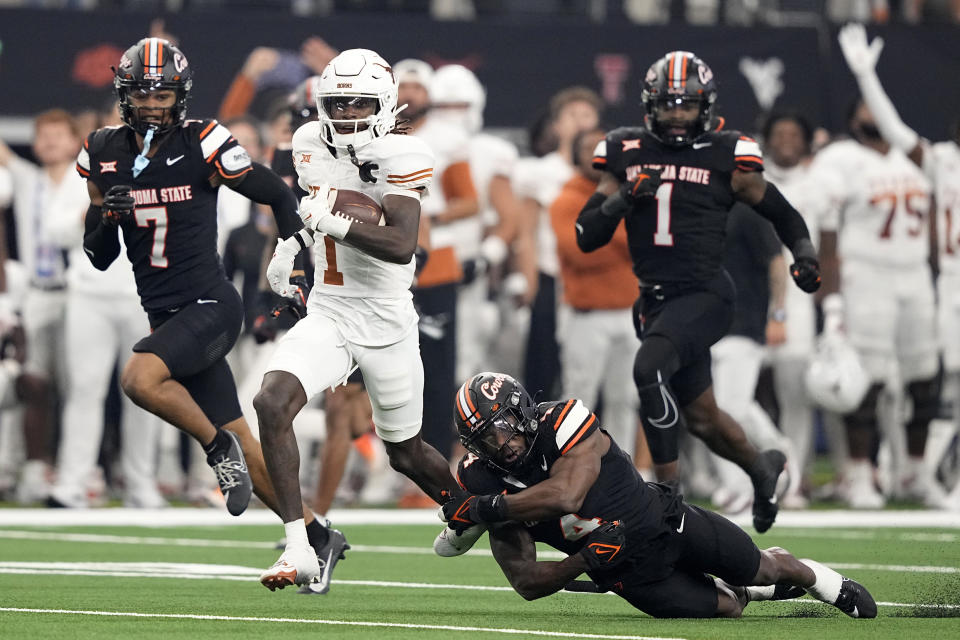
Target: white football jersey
941 163
490 156
348 282
877 203
541 179
450 145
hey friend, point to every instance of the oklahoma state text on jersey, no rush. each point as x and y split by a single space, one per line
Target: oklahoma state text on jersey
172 239
677 237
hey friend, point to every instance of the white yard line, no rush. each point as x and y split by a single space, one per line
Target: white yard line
397 550
348 623
217 517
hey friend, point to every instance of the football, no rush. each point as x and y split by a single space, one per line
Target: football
357 206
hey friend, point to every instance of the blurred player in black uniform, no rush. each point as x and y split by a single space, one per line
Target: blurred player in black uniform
548 473
673 182
156 179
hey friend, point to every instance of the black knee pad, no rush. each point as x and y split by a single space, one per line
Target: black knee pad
926 400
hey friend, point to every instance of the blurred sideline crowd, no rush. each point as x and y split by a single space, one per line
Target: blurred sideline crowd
506 289
694 12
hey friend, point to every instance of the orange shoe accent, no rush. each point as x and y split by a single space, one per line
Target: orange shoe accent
280 579
364 446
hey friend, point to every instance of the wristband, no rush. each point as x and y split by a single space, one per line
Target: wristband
304 238
336 226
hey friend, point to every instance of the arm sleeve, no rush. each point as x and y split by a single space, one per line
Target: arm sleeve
100 242
594 228
786 220
262 185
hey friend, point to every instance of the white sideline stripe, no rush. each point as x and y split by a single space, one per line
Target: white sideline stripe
425 551
182 517
349 623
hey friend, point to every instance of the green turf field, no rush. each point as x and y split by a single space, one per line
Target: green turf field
140 583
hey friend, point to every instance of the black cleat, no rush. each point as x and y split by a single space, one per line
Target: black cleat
766 503
855 601
232 475
782 591
328 555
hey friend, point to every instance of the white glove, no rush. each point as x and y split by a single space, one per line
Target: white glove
281 266
315 211
861 57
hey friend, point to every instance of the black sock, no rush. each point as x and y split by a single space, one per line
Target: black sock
220 442
317 534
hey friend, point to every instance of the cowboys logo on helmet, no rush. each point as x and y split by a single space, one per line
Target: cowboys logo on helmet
678 94
153 64
496 420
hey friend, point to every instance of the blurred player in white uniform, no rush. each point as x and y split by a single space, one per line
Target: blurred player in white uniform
941 164
360 312
455 231
38 193
877 223
787 138
457 97
103 322
538 181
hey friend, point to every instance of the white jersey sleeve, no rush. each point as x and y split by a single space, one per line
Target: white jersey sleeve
407 168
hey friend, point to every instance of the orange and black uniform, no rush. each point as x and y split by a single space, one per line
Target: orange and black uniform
665 574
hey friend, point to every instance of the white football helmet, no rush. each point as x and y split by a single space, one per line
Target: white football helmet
835 378
357 73
415 71
456 94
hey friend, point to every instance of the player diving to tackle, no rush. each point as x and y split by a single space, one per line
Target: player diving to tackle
360 312
549 473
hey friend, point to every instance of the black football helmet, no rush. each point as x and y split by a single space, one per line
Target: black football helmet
492 408
679 77
150 65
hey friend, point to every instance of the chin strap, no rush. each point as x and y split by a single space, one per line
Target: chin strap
141 161
366 169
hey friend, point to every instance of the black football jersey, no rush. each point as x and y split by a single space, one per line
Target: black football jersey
172 238
619 493
678 236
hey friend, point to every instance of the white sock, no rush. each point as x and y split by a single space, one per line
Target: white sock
827 585
758 594
296 533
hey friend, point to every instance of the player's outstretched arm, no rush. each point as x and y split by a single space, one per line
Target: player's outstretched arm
262 185
861 57
751 188
600 215
101 241
514 550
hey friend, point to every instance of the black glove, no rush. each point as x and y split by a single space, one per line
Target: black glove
297 305
644 185
118 205
605 546
806 273
463 509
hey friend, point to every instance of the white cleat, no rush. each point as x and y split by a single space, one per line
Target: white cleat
450 543
296 565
